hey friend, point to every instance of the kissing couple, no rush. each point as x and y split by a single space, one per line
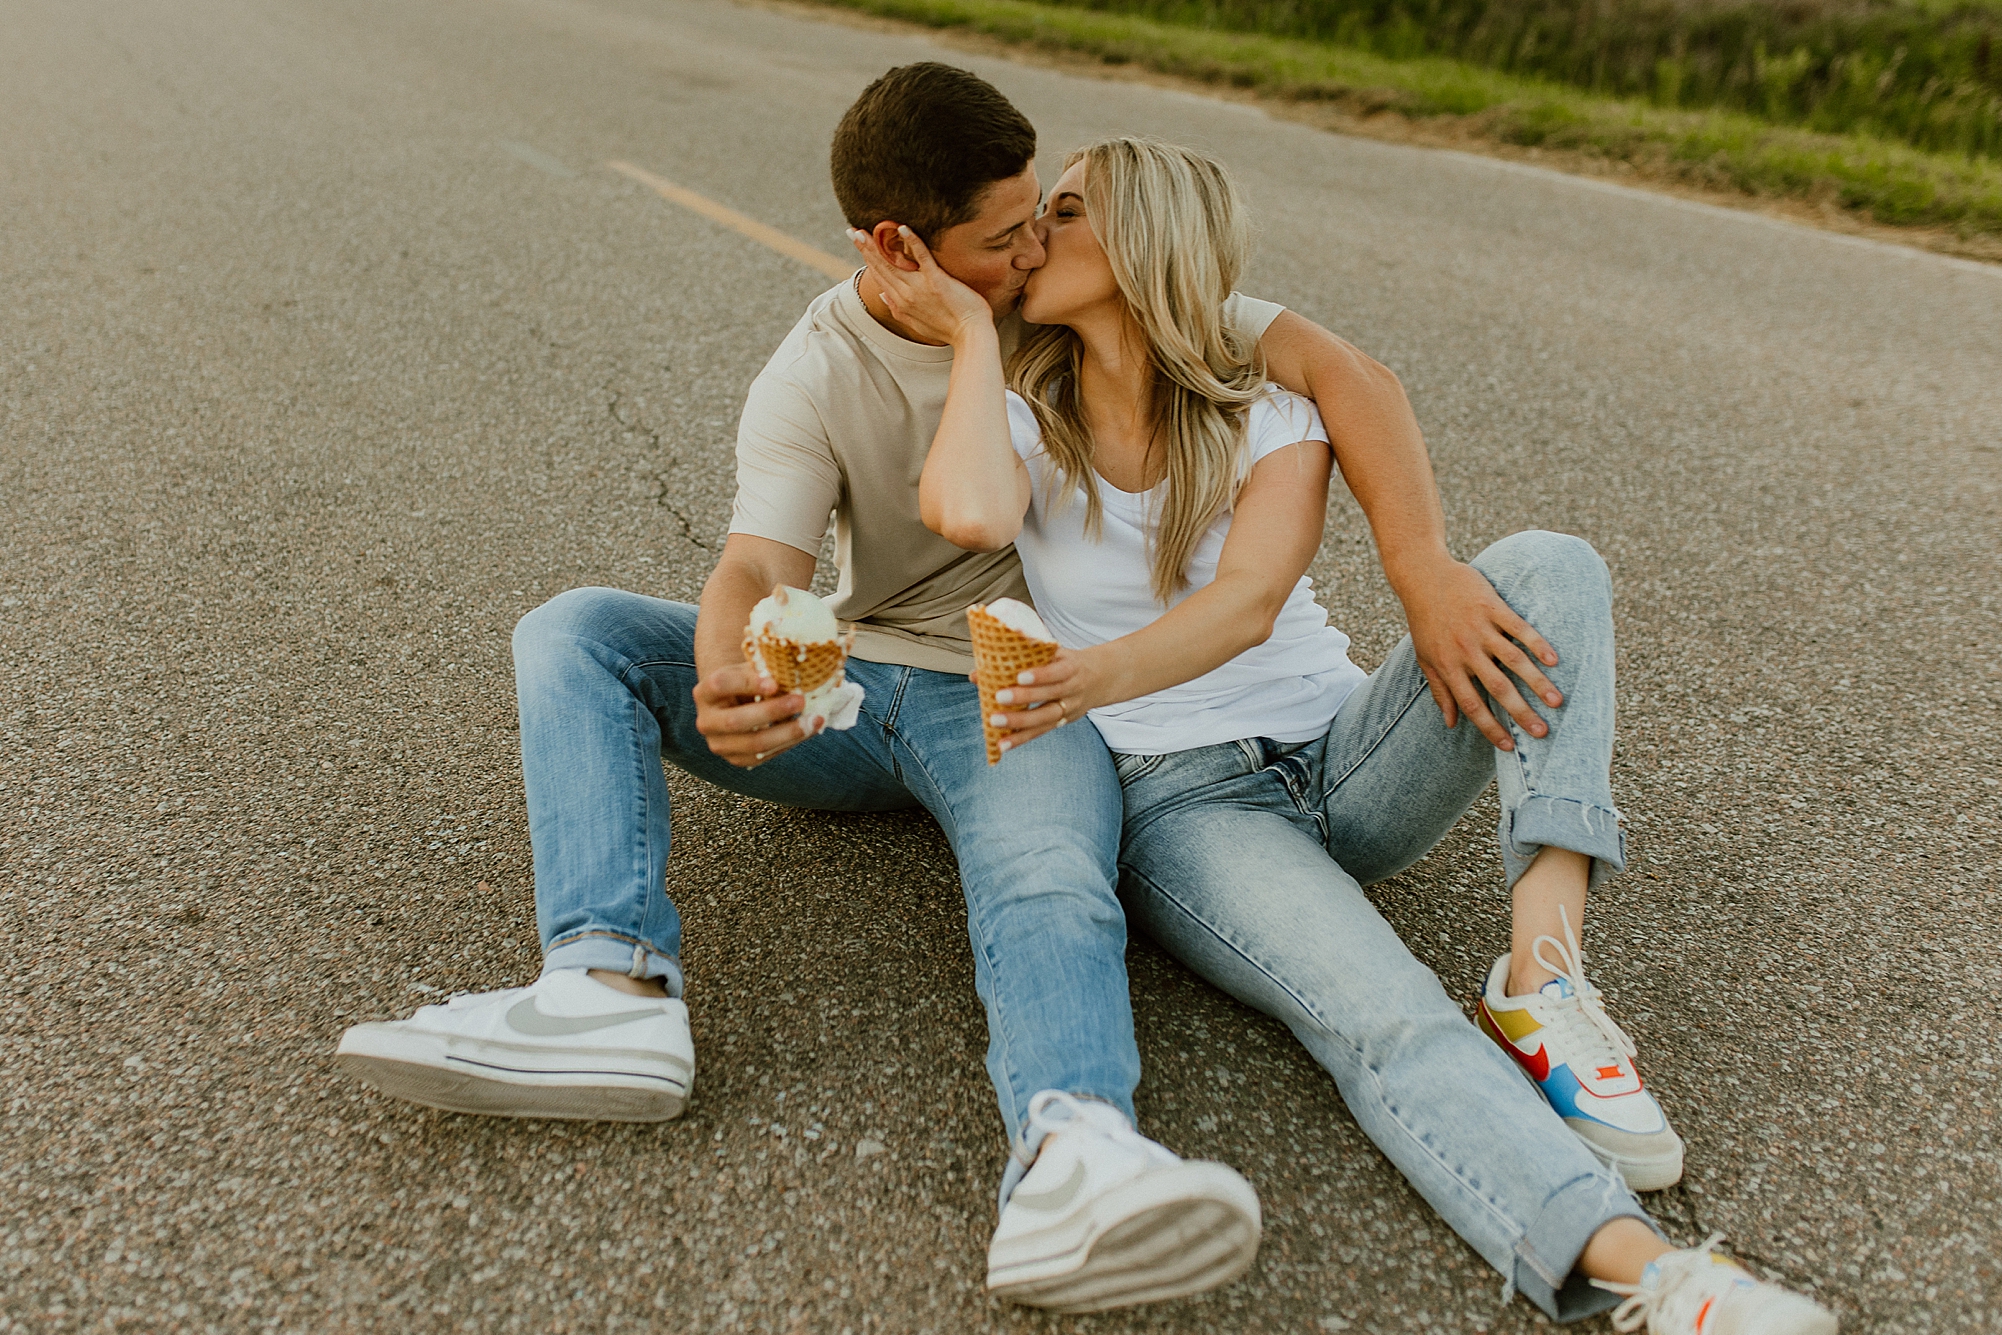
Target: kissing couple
1064 401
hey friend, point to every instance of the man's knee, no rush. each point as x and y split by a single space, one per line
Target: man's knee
611 618
574 613
1536 559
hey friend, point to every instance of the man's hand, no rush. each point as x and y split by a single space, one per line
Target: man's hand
923 298
1467 638
745 730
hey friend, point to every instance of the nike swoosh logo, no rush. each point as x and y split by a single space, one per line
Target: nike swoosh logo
1057 1197
1536 1065
524 1018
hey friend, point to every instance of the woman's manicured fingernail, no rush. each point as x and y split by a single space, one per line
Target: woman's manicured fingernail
1004 697
1025 679
998 721
1006 745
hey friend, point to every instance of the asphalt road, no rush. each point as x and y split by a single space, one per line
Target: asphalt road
329 346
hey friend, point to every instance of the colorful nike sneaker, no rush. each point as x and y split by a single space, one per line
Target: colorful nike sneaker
1107 1218
567 1046
1697 1292
1583 1062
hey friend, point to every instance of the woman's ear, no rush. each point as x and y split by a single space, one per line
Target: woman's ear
892 244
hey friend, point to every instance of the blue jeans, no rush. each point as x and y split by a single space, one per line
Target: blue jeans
1246 861
604 681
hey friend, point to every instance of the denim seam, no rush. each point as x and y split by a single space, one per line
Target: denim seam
1298 786
1417 692
888 722
1514 1227
643 796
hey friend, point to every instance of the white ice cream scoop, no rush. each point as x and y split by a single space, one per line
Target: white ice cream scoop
1019 617
800 619
796 615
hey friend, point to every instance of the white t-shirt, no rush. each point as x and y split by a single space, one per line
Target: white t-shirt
1087 592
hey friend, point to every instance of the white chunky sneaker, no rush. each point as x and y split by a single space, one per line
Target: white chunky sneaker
1563 1040
1107 1218
1697 1292
566 1047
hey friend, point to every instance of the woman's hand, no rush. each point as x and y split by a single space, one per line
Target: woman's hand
1059 692
927 300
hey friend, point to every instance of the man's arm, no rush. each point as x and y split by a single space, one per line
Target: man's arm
739 728
1464 634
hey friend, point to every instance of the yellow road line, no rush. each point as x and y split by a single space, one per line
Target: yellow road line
751 227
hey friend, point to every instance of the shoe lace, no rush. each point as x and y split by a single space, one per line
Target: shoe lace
1570 965
1644 1306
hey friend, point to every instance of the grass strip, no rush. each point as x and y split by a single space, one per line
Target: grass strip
1926 74
1882 180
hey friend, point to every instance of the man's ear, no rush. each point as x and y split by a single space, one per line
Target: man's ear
892 244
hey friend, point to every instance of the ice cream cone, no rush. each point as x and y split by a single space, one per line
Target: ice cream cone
999 653
794 639
797 667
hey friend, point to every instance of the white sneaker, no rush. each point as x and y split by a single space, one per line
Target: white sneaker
1697 1292
1107 1218
566 1047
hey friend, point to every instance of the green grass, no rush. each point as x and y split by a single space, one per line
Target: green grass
1927 73
1887 181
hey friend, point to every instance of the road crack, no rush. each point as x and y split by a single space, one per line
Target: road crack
661 493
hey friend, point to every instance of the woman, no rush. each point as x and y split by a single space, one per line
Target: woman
1166 503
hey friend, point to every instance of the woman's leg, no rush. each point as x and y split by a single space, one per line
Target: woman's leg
1291 933
1560 826
1392 779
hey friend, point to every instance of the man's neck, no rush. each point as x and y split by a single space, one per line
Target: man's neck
871 293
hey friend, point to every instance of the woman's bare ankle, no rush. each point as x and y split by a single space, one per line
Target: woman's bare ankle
1620 1250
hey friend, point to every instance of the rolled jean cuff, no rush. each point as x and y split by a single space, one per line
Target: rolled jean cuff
1562 822
614 952
1546 1257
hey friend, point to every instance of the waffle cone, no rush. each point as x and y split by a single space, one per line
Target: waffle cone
797 667
999 653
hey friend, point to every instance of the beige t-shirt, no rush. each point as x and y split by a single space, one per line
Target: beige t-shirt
839 423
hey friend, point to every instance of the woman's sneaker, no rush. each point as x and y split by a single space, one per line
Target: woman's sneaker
566 1047
1107 1218
1565 1042
1697 1292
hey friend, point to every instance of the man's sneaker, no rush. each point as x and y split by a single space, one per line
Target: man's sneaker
1697 1292
1107 1218
566 1047
1565 1042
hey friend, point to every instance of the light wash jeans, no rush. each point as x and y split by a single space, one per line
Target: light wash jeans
1246 861
604 680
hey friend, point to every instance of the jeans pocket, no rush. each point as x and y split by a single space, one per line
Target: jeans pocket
1130 767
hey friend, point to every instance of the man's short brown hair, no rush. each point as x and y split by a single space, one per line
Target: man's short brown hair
922 144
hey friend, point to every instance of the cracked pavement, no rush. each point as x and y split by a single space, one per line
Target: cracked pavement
330 348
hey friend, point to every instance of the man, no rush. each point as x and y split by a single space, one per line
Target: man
840 422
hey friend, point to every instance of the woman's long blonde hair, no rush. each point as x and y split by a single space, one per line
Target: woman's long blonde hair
1174 229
